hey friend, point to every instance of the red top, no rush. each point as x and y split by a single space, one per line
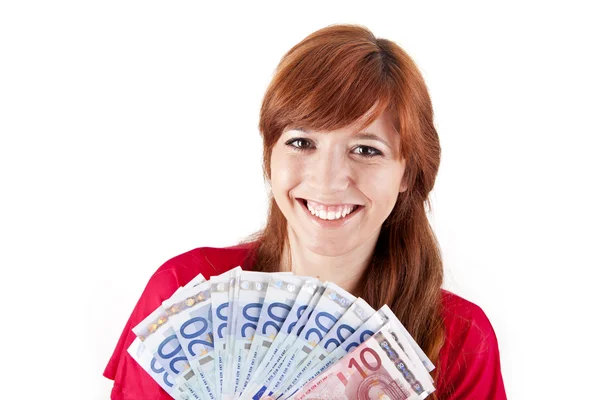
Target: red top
469 364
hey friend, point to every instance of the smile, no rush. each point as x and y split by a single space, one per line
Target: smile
329 213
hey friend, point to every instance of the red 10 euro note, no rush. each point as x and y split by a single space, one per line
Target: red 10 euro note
377 369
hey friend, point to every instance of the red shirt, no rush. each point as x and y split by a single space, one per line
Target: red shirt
469 364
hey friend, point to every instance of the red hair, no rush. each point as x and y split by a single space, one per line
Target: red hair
336 76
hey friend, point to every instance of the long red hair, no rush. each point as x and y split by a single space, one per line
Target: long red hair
329 80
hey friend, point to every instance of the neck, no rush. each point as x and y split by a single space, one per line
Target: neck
345 270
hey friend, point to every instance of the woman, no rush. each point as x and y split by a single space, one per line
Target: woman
351 154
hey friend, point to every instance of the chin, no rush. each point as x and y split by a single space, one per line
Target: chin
329 247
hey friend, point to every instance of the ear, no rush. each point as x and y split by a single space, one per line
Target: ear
403 184
404 180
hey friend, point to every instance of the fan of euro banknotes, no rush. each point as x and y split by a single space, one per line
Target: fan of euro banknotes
246 335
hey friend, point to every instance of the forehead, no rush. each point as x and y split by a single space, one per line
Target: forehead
383 126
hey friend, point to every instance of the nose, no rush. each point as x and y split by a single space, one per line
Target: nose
329 171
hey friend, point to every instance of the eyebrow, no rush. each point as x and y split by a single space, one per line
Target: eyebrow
361 135
372 136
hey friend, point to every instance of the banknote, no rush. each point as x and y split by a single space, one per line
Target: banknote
408 345
189 313
232 313
291 328
354 317
332 305
410 341
145 359
278 301
158 336
252 289
195 281
377 369
219 295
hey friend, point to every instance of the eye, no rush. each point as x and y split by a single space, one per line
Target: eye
367 151
298 143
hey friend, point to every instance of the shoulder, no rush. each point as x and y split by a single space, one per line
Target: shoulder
208 261
179 270
461 315
469 363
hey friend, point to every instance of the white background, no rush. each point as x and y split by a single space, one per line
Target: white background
129 135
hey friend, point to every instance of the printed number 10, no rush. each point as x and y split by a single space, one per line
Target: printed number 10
372 365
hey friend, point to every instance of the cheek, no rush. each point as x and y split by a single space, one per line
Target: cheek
383 187
286 171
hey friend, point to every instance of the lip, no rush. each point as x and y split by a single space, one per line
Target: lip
329 224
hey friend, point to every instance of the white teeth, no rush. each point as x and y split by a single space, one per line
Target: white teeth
341 212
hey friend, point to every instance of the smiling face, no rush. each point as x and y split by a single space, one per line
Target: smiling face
336 188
